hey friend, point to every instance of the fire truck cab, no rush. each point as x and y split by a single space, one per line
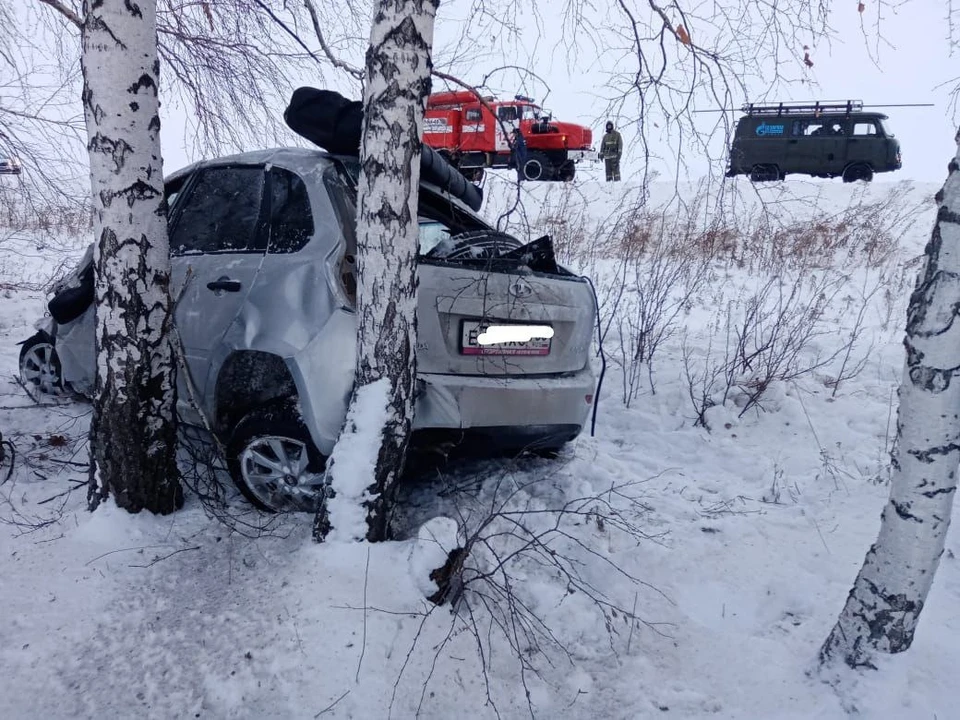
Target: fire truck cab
465 131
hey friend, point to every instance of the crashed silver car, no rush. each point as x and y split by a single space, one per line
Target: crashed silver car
264 261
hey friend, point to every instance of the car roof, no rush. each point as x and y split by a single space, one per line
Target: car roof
297 159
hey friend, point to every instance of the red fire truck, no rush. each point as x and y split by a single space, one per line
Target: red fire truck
466 133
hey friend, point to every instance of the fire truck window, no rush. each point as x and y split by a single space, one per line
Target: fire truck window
864 128
472 115
508 112
816 129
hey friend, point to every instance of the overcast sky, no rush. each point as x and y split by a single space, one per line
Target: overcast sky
912 63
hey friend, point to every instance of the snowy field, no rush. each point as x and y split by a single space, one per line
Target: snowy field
664 568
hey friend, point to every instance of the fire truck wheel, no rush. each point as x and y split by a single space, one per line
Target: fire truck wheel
537 167
567 171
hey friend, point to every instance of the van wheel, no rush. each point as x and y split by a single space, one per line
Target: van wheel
274 462
766 173
537 167
858 172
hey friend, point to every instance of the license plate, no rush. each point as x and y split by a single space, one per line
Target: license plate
472 332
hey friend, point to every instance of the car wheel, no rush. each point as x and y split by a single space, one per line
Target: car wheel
766 173
537 167
857 172
40 366
274 462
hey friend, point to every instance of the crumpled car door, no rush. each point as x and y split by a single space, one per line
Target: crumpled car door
217 247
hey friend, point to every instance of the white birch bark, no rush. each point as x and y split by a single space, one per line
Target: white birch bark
883 608
396 86
133 431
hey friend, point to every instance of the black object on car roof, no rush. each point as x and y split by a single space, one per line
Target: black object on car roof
329 120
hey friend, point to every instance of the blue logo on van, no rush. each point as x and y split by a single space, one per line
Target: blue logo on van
764 129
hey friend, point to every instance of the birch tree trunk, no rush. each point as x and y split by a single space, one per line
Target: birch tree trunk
883 608
371 450
133 431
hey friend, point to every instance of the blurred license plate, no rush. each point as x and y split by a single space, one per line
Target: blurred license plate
471 332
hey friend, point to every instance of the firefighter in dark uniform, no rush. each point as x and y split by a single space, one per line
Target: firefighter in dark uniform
518 153
610 151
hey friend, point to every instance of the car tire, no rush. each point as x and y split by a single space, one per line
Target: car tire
858 172
766 173
274 462
40 365
537 167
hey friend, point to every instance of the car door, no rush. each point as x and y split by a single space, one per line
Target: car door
507 121
807 146
217 245
864 142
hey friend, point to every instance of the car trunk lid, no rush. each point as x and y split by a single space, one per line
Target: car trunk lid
461 307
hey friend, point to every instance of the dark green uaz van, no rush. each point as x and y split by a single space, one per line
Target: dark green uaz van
818 139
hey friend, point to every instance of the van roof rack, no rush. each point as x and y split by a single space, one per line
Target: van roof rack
831 107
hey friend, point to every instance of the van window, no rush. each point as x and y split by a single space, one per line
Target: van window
865 128
818 128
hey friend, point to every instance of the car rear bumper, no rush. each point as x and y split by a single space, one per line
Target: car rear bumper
474 402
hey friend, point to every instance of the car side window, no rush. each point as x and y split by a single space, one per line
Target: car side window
291 222
221 213
432 233
171 191
864 128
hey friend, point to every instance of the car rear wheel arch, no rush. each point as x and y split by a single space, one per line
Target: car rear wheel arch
249 379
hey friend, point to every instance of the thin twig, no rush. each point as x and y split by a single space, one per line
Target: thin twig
79 484
169 555
330 707
335 61
363 644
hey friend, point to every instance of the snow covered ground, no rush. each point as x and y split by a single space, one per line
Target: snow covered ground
734 549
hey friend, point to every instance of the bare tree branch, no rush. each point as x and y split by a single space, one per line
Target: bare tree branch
334 60
65 11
